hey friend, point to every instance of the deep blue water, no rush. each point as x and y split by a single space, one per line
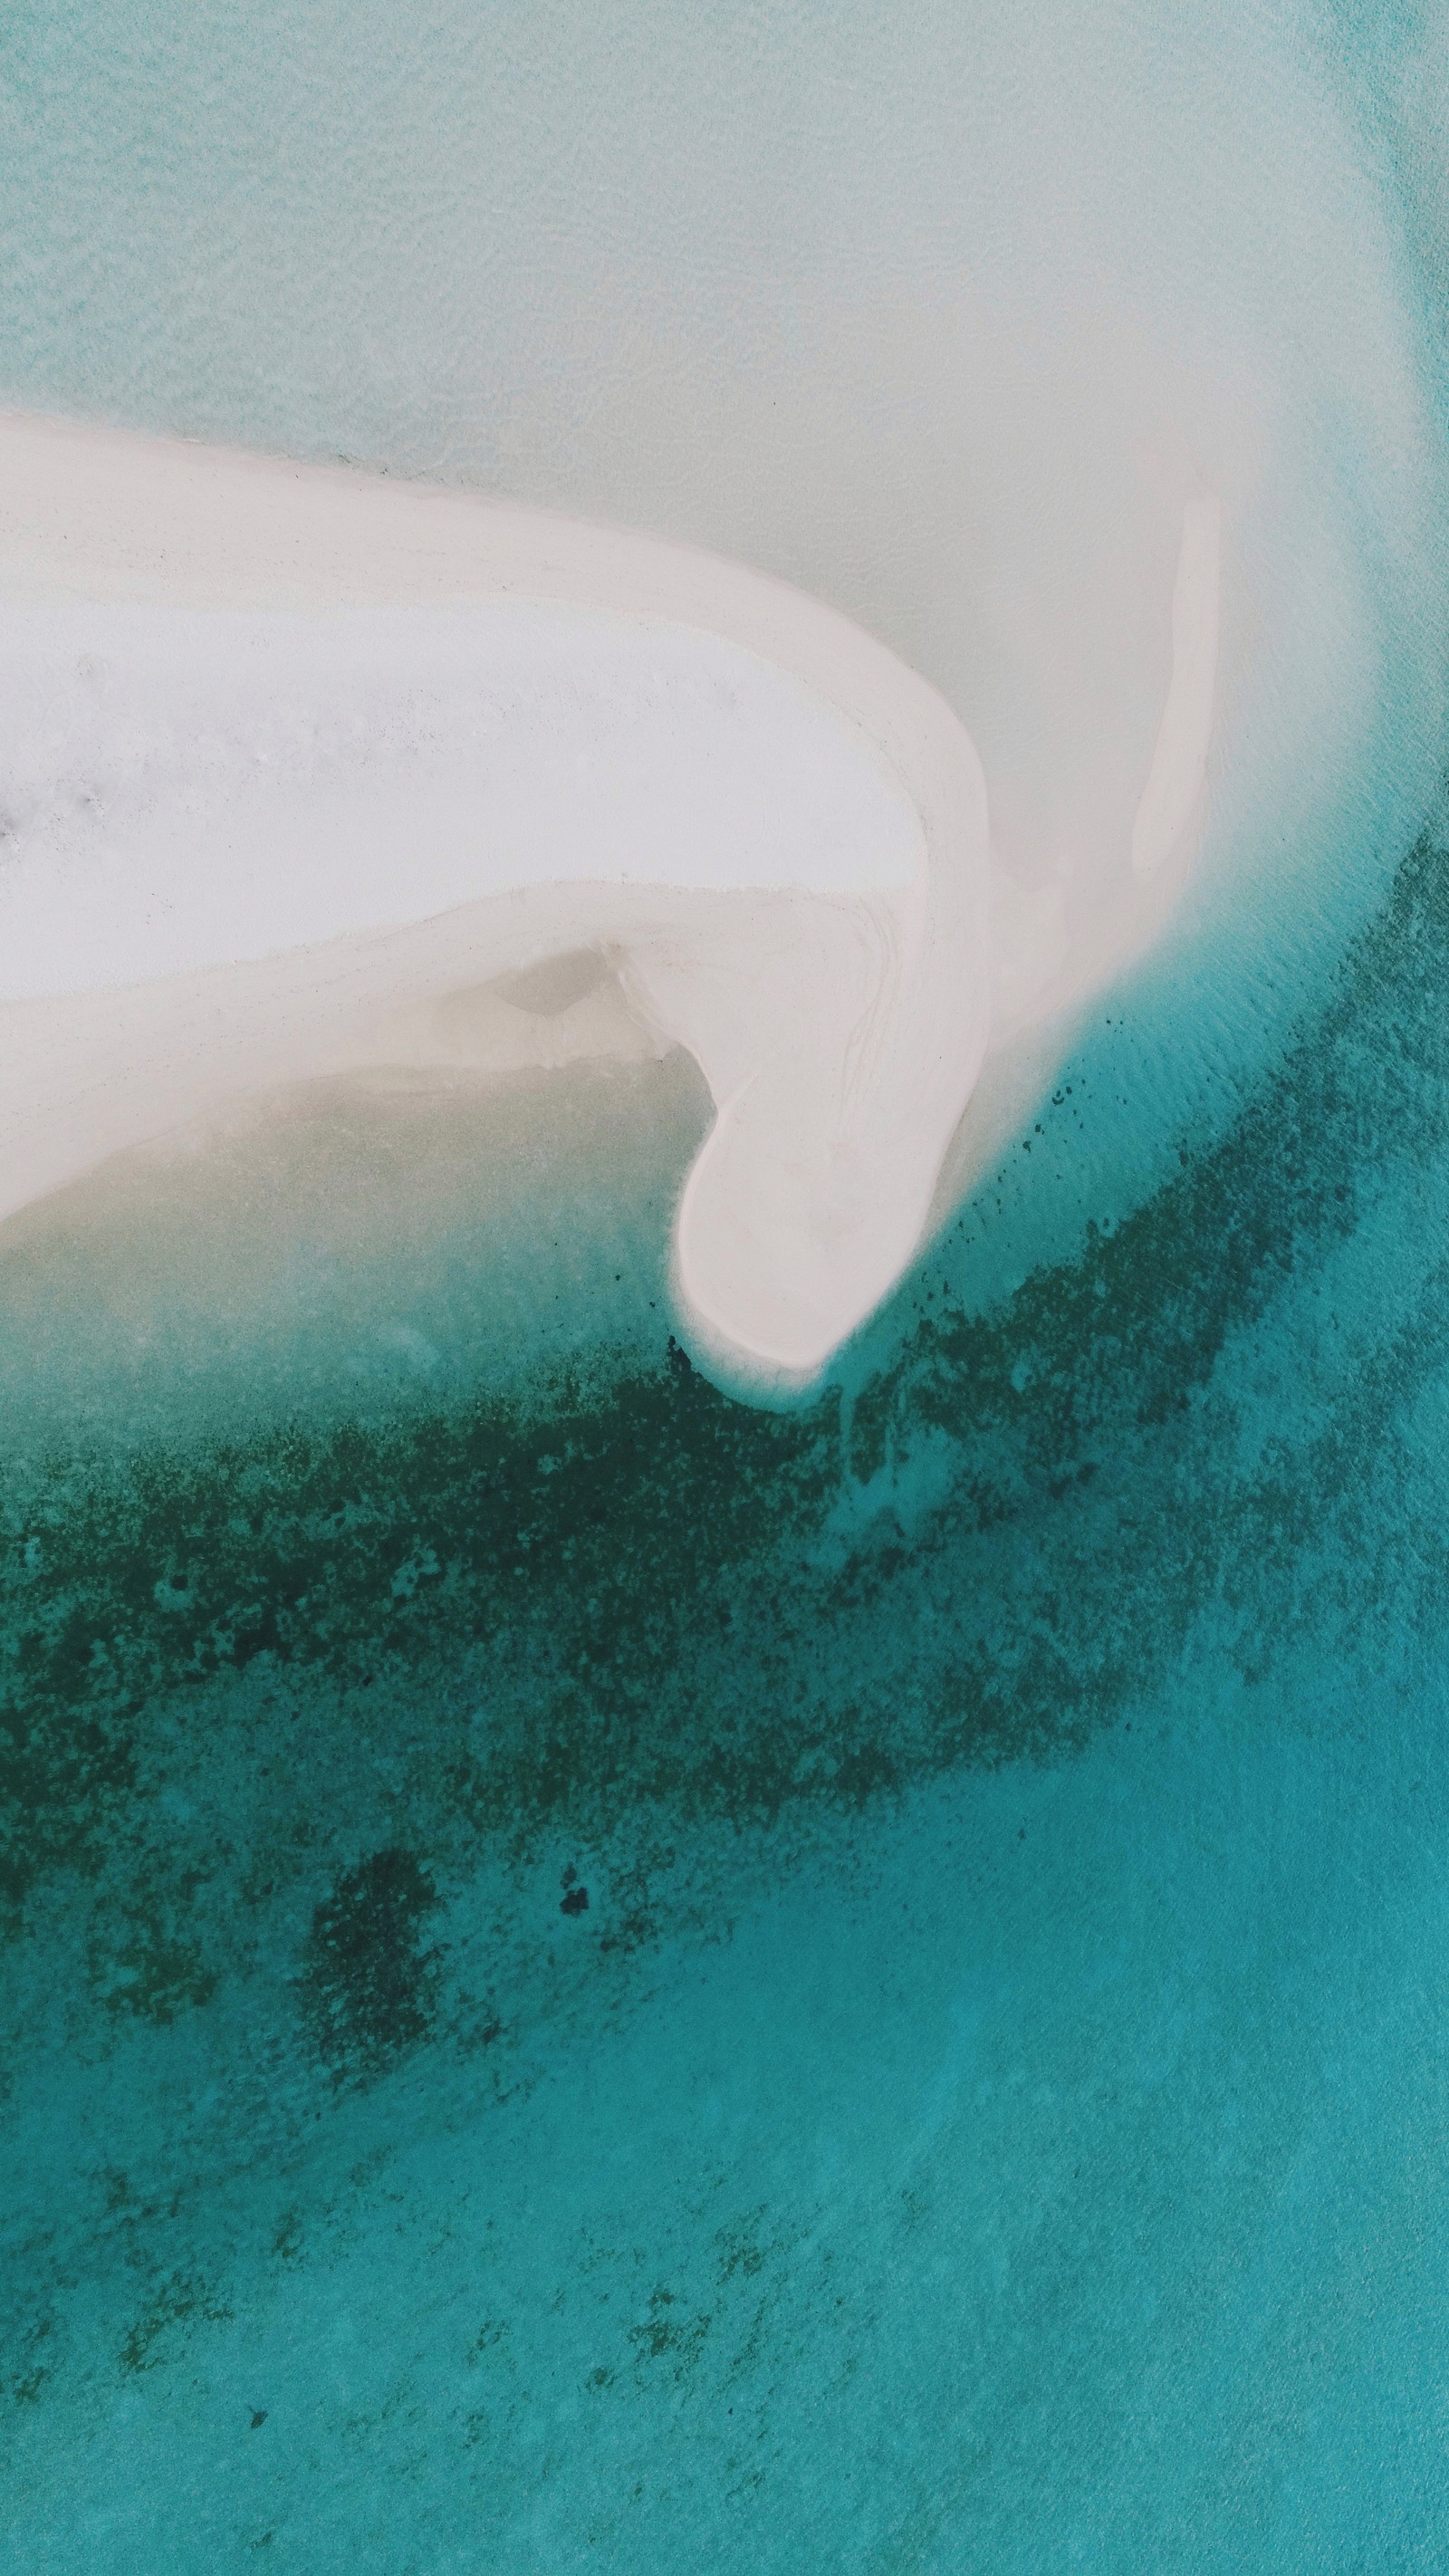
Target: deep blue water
597 1977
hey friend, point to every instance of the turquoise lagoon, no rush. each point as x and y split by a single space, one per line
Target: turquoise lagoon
599 1976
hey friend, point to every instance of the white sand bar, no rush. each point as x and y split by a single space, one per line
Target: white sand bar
297 765
294 761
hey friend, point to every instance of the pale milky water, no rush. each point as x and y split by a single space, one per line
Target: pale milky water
989 2112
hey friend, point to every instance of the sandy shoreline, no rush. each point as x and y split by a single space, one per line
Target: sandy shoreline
839 1029
787 864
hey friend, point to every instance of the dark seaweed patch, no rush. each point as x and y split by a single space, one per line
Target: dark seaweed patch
367 1982
656 1597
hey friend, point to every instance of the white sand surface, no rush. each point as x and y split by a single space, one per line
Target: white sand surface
298 766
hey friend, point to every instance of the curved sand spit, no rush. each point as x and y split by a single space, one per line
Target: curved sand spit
296 763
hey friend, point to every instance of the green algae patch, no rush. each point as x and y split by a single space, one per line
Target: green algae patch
367 1980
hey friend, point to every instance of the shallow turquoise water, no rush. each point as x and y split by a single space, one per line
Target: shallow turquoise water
990 2112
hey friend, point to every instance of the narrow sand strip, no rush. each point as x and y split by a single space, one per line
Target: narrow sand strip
1179 760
